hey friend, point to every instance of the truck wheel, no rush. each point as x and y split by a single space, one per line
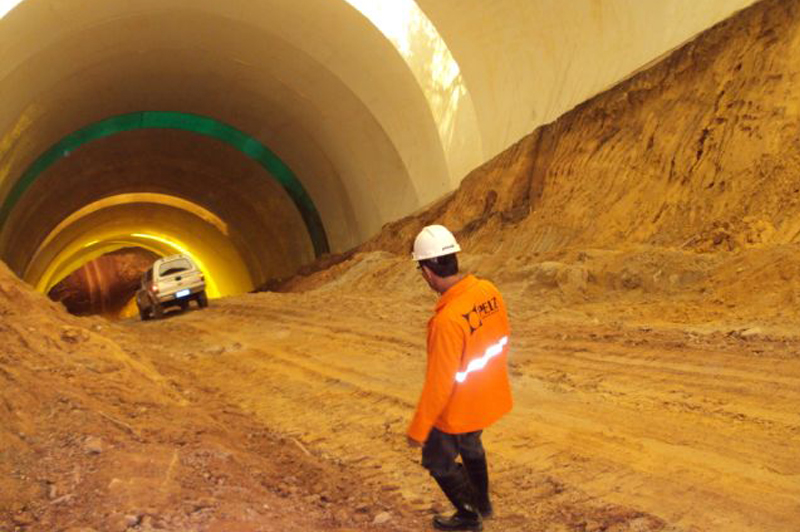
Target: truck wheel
158 311
202 299
143 313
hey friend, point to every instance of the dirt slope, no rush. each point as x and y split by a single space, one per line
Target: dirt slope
103 285
683 181
94 437
700 152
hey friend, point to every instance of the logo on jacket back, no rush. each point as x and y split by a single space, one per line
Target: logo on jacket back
476 316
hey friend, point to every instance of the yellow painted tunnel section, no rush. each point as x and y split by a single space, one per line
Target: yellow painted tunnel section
126 225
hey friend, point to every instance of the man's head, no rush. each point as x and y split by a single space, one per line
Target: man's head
435 250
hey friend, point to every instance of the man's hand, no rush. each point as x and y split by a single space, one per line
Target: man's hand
412 442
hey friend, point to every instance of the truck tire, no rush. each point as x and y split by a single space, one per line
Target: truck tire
202 299
143 314
158 311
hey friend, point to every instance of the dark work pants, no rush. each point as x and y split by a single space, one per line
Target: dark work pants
441 450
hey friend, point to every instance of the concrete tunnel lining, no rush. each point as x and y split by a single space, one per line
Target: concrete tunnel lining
525 63
275 104
136 197
305 148
319 84
185 122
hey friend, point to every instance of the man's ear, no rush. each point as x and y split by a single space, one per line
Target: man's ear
427 273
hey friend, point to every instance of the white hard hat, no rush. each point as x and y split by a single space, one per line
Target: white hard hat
434 241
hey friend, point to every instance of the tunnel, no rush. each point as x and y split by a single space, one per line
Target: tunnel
257 136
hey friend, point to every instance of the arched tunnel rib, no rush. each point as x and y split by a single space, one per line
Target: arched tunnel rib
187 122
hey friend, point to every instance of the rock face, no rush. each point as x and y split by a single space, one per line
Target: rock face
104 285
699 152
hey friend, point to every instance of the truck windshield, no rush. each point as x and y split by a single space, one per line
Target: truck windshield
174 266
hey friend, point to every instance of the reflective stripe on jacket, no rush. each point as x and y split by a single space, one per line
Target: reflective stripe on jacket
466 382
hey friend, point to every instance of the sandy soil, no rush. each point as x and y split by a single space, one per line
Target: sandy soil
287 411
103 429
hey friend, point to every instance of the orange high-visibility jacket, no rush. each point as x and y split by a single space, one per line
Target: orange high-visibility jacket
466 382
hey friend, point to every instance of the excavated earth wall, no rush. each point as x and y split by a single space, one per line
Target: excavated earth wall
683 180
699 152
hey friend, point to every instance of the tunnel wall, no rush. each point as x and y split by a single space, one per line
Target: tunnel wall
276 82
698 153
316 83
525 63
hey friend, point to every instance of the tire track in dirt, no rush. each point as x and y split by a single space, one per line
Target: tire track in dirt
677 380
624 429
283 374
675 423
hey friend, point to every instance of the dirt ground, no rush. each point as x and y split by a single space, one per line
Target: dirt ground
287 411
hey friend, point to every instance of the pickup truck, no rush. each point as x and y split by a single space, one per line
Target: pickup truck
171 281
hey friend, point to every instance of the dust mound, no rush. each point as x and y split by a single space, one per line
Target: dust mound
56 371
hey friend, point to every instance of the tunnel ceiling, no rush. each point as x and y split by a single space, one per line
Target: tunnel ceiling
166 163
376 108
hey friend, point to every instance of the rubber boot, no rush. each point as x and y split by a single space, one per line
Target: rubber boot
458 490
478 473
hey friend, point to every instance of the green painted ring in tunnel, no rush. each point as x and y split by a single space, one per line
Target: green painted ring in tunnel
187 122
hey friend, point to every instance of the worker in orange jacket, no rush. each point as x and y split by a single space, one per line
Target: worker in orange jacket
466 382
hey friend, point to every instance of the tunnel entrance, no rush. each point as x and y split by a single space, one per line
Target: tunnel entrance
105 285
